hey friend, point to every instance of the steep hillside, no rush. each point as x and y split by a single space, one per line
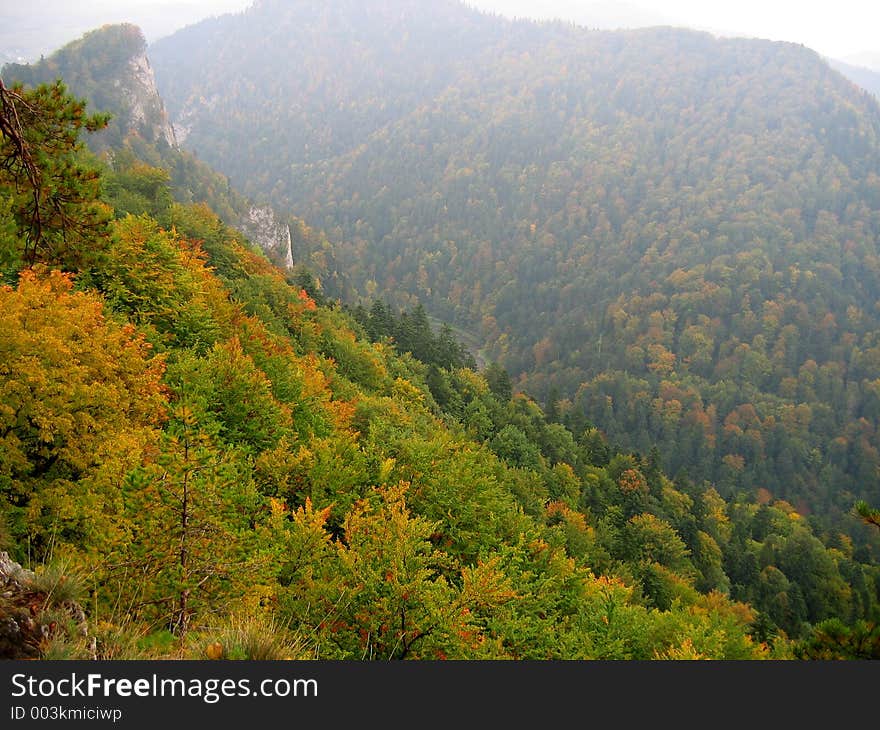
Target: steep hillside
227 468
109 68
673 235
867 78
355 67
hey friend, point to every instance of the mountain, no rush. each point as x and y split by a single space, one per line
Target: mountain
30 30
866 59
109 67
207 459
666 235
606 14
362 64
867 78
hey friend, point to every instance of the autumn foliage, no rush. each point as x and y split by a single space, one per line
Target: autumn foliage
240 472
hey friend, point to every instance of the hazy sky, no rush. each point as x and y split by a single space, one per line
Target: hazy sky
841 29
31 27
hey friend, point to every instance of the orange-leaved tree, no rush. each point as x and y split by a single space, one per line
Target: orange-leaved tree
81 403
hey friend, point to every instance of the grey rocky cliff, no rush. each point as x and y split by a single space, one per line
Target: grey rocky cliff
261 225
146 110
184 121
146 101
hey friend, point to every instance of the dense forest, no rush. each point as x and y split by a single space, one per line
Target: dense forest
204 456
868 79
109 68
669 236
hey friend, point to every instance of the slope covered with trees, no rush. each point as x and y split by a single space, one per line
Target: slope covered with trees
867 78
227 468
672 236
109 69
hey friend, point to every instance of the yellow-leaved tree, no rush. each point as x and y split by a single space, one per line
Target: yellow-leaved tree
81 404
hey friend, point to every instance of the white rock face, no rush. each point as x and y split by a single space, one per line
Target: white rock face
263 227
183 124
181 131
144 94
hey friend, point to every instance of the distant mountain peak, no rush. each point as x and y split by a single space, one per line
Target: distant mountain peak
862 76
110 67
865 59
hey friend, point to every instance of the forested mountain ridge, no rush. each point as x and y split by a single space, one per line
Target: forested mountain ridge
867 78
673 233
375 61
225 465
109 68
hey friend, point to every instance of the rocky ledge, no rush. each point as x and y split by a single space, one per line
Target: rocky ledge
32 615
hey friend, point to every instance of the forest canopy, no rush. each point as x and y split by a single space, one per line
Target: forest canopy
674 233
204 456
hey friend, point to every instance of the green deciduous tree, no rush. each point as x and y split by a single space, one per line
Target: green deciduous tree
54 193
193 516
